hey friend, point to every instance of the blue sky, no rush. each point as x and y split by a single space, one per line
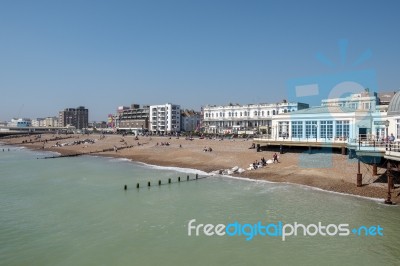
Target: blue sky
103 54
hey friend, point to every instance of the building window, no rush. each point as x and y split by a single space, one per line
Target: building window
240 113
268 113
342 129
326 129
255 113
311 129
297 129
273 112
283 129
235 113
262 113
398 128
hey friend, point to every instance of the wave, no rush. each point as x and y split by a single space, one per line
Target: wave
379 200
117 159
177 169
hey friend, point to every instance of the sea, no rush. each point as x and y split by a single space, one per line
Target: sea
76 211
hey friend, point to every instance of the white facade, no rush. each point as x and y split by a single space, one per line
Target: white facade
253 117
51 122
341 119
165 118
20 122
38 122
190 121
358 101
328 124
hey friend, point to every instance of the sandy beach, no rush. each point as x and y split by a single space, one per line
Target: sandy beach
333 172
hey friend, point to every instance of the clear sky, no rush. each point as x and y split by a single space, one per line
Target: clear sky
103 54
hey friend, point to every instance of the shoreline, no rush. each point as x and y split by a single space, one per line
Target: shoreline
227 154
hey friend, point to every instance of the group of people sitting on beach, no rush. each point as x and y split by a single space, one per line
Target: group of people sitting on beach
205 149
164 144
258 164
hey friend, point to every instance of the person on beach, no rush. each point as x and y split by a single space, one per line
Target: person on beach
275 157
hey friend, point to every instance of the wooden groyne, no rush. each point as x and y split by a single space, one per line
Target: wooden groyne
169 182
87 153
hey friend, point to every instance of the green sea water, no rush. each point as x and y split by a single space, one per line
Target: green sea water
74 211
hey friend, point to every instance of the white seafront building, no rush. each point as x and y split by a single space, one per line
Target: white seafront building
358 116
165 119
250 118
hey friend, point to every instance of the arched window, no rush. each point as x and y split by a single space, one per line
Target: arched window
273 112
240 113
255 113
268 113
262 113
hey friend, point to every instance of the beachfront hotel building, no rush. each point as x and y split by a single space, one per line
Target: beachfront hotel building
76 117
165 118
337 120
134 118
251 118
190 120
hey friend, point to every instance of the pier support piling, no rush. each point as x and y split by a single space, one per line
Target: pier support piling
343 150
389 178
159 182
359 175
169 180
197 176
179 179
187 178
137 185
125 187
374 169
